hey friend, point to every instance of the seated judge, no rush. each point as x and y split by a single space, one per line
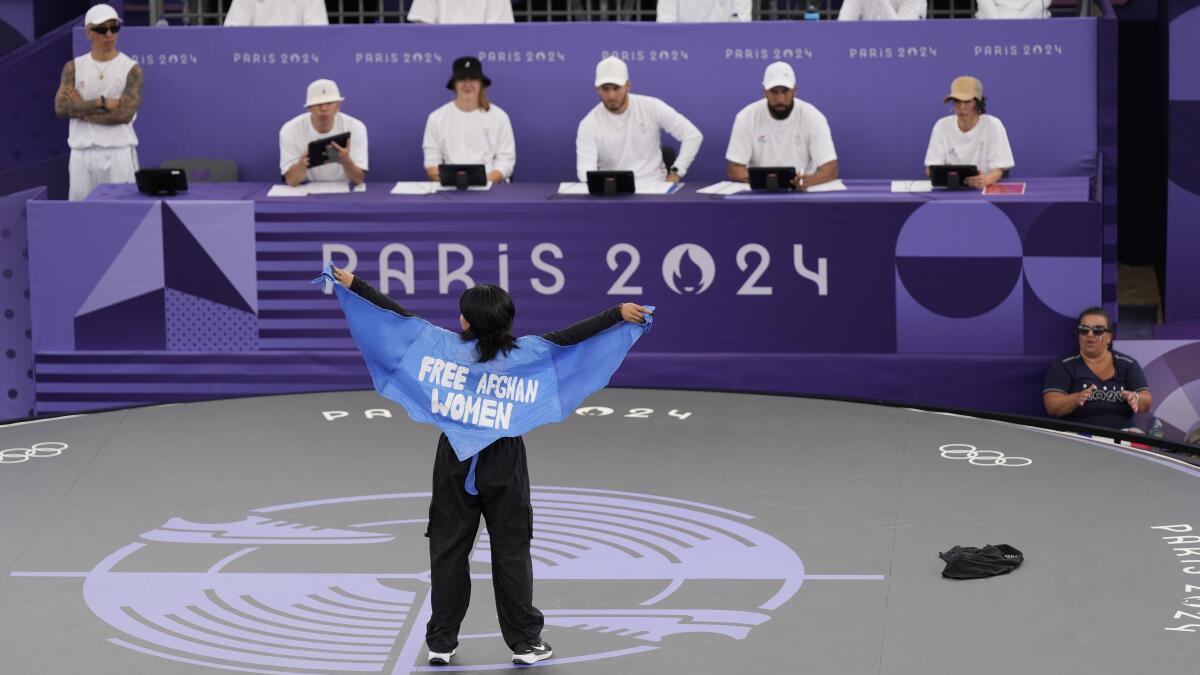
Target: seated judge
470 129
461 11
882 10
703 11
624 131
1012 9
782 130
277 13
323 119
970 136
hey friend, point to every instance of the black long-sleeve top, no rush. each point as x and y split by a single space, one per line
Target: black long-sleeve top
570 335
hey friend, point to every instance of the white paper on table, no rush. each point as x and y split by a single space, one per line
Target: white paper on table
417 187
287 191
328 187
725 187
484 188
572 188
655 187
835 185
912 186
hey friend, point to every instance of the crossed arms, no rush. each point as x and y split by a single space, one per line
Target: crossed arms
68 103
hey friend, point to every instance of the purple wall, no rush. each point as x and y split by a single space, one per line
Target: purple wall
1182 297
16 346
213 92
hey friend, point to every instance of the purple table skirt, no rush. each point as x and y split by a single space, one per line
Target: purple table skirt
1060 189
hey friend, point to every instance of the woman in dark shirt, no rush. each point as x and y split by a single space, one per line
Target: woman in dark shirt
502 483
1097 385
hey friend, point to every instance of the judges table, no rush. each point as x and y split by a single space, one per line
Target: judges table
863 292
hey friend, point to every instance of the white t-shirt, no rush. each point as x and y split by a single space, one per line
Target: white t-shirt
803 140
882 10
461 11
632 141
703 11
985 145
91 85
1012 9
477 137
277 13
298 132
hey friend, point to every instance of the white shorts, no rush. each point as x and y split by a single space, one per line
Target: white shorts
90 167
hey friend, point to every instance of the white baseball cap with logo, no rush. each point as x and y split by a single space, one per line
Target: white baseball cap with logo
612 71
779 74
323 91
98 14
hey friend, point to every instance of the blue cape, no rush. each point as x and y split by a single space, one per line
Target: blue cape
434 374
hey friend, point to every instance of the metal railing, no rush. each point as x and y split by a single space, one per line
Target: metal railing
212 12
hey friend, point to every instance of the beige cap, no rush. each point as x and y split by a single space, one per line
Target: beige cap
779 74
323 91
98 14
964 88
612 71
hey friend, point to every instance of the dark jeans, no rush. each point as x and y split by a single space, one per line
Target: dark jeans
502 480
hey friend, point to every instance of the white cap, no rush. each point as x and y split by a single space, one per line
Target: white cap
323 91
98 14
612 71
779 74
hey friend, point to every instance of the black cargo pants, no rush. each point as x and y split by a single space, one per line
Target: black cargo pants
502 480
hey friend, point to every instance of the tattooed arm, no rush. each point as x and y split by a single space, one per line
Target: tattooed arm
122 110
67 101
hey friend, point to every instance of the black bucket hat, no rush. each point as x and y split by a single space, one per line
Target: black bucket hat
468 68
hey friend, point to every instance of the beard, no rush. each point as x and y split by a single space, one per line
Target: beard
614 107
781 112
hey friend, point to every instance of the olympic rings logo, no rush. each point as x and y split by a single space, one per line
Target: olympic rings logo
37 451
981 457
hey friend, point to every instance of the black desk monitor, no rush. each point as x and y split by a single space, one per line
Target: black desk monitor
319 151
772 178
161 181
462 176
609 183
952 176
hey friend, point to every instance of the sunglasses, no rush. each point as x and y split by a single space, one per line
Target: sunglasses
1094 330
105 30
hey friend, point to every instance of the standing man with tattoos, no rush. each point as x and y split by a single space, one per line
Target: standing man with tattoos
100 93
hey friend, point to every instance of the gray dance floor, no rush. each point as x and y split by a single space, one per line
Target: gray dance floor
675 532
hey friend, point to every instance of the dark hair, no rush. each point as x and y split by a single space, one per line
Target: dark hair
981 105
1095 311
489 312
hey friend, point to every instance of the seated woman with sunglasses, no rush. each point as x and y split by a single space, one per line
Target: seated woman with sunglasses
1097 386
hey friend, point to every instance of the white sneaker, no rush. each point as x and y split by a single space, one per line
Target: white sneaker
440 658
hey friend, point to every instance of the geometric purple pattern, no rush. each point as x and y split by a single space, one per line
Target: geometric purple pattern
199 325
243 614
189 267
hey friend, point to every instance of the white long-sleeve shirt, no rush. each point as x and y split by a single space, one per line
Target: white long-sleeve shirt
477 137
632 141
882 10
1012 9
277 13
461 11
703 11
985 145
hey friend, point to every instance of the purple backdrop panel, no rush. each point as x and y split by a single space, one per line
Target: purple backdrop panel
1182 301
74 382
211 92
127 275
1172 369
16 348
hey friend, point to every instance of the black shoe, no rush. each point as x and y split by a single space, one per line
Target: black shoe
526 653
440 658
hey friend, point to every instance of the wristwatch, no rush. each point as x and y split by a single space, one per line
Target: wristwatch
673 170
103 103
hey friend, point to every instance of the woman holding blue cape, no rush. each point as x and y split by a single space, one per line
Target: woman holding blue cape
500 475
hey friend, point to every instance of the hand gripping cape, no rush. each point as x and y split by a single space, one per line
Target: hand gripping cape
434 374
